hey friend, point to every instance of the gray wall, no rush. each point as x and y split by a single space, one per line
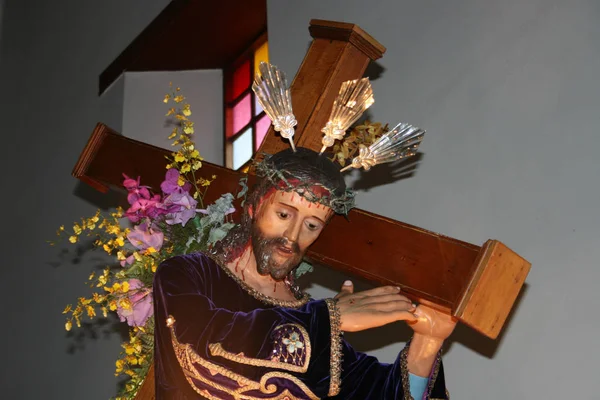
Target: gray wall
144 110
52 54
509 93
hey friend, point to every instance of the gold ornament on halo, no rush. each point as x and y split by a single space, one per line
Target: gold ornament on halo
273 94
401 142
353 99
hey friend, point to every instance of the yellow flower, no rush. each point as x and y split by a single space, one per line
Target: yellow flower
153 267
179 98
130 372
132 360
186 110
189 128
116 286
150 250
125 287
102 280
179 157
120 255
120 241
125 303
76 229
73 239
194 154
167 98
107 248
119 364
173 134
137 256
92 276
90 311
67 309
181 181
185 168
68 325
112 305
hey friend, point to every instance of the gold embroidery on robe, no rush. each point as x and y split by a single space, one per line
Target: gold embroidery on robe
189 361
291 350
336 348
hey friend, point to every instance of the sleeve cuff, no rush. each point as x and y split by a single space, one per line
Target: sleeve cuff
417 384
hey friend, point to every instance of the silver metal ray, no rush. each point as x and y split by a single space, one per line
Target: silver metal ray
273 94
353 99
401 142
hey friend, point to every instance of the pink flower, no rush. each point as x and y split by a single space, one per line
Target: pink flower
171 185
182 208
128 261
141 304
143 208
142 237
136 191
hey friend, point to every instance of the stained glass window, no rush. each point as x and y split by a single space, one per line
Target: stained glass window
262 126
246 123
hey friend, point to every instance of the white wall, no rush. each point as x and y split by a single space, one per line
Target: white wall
144 110
509 93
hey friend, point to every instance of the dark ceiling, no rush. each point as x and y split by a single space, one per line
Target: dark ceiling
192 34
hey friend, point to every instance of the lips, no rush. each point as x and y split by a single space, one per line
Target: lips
287 251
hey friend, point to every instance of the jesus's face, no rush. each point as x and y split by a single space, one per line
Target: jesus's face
285 226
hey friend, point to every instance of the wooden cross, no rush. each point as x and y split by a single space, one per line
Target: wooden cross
476 284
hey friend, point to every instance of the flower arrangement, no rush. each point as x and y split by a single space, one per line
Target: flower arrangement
153 228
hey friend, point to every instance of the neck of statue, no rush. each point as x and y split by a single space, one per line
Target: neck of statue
244 267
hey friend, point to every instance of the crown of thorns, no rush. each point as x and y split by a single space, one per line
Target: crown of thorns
315 192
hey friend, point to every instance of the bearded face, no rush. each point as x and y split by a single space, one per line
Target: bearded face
275 256
283 229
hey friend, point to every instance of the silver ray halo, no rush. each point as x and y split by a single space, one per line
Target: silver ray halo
401 142
353 99
273 94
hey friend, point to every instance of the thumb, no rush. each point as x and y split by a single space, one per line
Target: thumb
347 288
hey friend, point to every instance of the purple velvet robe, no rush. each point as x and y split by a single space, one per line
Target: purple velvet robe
215 339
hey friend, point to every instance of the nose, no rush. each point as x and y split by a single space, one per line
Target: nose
292 231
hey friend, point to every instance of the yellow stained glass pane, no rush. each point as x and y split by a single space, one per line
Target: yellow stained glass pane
261 54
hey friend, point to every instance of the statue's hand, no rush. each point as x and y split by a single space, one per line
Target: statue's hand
432 323
372 308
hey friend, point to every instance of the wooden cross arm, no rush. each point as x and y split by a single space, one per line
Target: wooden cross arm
476 284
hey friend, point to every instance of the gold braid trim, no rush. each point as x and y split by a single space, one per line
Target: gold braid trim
336 348
187 357
405 378
263 298
216 349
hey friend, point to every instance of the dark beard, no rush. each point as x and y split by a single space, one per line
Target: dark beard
264 248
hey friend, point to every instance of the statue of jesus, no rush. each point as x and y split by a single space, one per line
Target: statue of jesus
232 323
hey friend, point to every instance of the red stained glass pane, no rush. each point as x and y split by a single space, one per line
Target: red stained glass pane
241 80
242 113
262 127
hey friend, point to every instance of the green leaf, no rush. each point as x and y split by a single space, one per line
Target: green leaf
303 268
